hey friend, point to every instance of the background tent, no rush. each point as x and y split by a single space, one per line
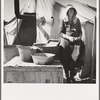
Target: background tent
48 16
25 33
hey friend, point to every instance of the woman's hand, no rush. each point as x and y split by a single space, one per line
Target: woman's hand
71 39
77 38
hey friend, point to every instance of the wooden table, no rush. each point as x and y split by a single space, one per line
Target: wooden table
16 71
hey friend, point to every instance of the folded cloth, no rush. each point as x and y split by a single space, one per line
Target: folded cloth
76 52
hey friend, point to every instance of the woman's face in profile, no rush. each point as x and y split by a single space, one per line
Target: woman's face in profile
71 13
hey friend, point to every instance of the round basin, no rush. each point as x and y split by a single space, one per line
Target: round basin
43 58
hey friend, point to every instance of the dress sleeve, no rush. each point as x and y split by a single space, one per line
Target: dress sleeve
79 28
62 27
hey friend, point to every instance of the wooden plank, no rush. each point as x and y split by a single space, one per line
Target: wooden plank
54 77
43 77
49 77
33 77
29 77
14 77
60 77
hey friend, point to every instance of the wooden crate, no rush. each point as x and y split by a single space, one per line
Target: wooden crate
16 71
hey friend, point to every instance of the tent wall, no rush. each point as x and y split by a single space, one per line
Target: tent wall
57 18
11 29
88 49
51 11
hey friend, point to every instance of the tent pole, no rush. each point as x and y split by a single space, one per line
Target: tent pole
35 5
93 52
17 25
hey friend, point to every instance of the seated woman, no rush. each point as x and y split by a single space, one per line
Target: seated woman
70 33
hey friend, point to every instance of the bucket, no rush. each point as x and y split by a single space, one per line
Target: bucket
25 53
43 58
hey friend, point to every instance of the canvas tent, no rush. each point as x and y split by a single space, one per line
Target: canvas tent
48 16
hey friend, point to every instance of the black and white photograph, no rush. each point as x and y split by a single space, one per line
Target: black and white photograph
50 41
50 50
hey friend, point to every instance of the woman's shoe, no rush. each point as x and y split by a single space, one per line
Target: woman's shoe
72 80
68 80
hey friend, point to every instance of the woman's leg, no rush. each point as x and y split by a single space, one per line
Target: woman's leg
72 69
80 60
65 59
72 65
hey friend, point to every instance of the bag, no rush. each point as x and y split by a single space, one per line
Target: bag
76 52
